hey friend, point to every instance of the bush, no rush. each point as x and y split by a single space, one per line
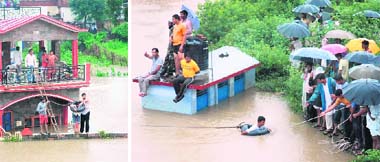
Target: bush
104 135
220 17
358 24
370 156
121 31
293 89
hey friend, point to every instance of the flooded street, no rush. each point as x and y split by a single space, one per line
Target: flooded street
176 144
108 97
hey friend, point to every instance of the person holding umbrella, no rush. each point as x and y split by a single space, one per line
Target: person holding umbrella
365 46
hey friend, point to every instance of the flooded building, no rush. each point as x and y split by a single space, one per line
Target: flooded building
19 92
225 72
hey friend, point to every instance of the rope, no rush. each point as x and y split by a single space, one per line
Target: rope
297 124
194 127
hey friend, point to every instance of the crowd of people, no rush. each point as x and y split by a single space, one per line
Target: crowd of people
178 64
323 100
45 63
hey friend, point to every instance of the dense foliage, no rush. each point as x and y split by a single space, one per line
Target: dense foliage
370 155
121 31
97 50
252 26
88 9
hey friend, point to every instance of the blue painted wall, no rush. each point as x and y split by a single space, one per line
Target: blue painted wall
223 90
202 100
239 84
161 98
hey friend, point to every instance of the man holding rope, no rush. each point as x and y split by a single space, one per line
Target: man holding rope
337 106
260 129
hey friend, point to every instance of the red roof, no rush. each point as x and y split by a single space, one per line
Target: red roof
11 24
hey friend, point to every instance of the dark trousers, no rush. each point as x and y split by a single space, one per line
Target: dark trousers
180 84
357 131
85 119
347 126
366 135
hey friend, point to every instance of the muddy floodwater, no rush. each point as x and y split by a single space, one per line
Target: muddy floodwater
108 97
287 143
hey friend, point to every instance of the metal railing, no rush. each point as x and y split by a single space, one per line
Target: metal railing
11 76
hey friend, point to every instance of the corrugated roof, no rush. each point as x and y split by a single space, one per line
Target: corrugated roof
11 24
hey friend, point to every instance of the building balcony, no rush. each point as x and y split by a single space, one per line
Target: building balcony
50 78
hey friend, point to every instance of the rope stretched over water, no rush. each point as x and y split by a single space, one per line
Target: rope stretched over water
195 127
297 124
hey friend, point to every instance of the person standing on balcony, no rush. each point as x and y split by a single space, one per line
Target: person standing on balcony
31 63
52 58
16 59
44 64
85 115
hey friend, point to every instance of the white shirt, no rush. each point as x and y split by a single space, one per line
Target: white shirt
327 95
31 60
16 57
252 128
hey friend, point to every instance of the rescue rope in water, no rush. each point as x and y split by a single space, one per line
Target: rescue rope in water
195 127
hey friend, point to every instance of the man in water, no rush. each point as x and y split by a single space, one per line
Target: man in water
260 129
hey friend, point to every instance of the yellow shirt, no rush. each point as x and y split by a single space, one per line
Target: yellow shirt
189 68
179 31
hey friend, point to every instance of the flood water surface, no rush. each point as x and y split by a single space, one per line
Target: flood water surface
287 143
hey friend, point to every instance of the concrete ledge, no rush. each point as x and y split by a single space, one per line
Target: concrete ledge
72 136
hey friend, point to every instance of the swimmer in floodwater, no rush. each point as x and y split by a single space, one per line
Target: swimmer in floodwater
260 129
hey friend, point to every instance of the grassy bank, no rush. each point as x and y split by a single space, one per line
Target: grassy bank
253 28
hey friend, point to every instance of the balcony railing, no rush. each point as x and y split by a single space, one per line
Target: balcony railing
11 76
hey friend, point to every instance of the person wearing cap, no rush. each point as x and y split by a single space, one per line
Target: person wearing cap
41 109
259 129
189 69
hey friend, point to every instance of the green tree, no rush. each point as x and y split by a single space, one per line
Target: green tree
114 10
88 9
